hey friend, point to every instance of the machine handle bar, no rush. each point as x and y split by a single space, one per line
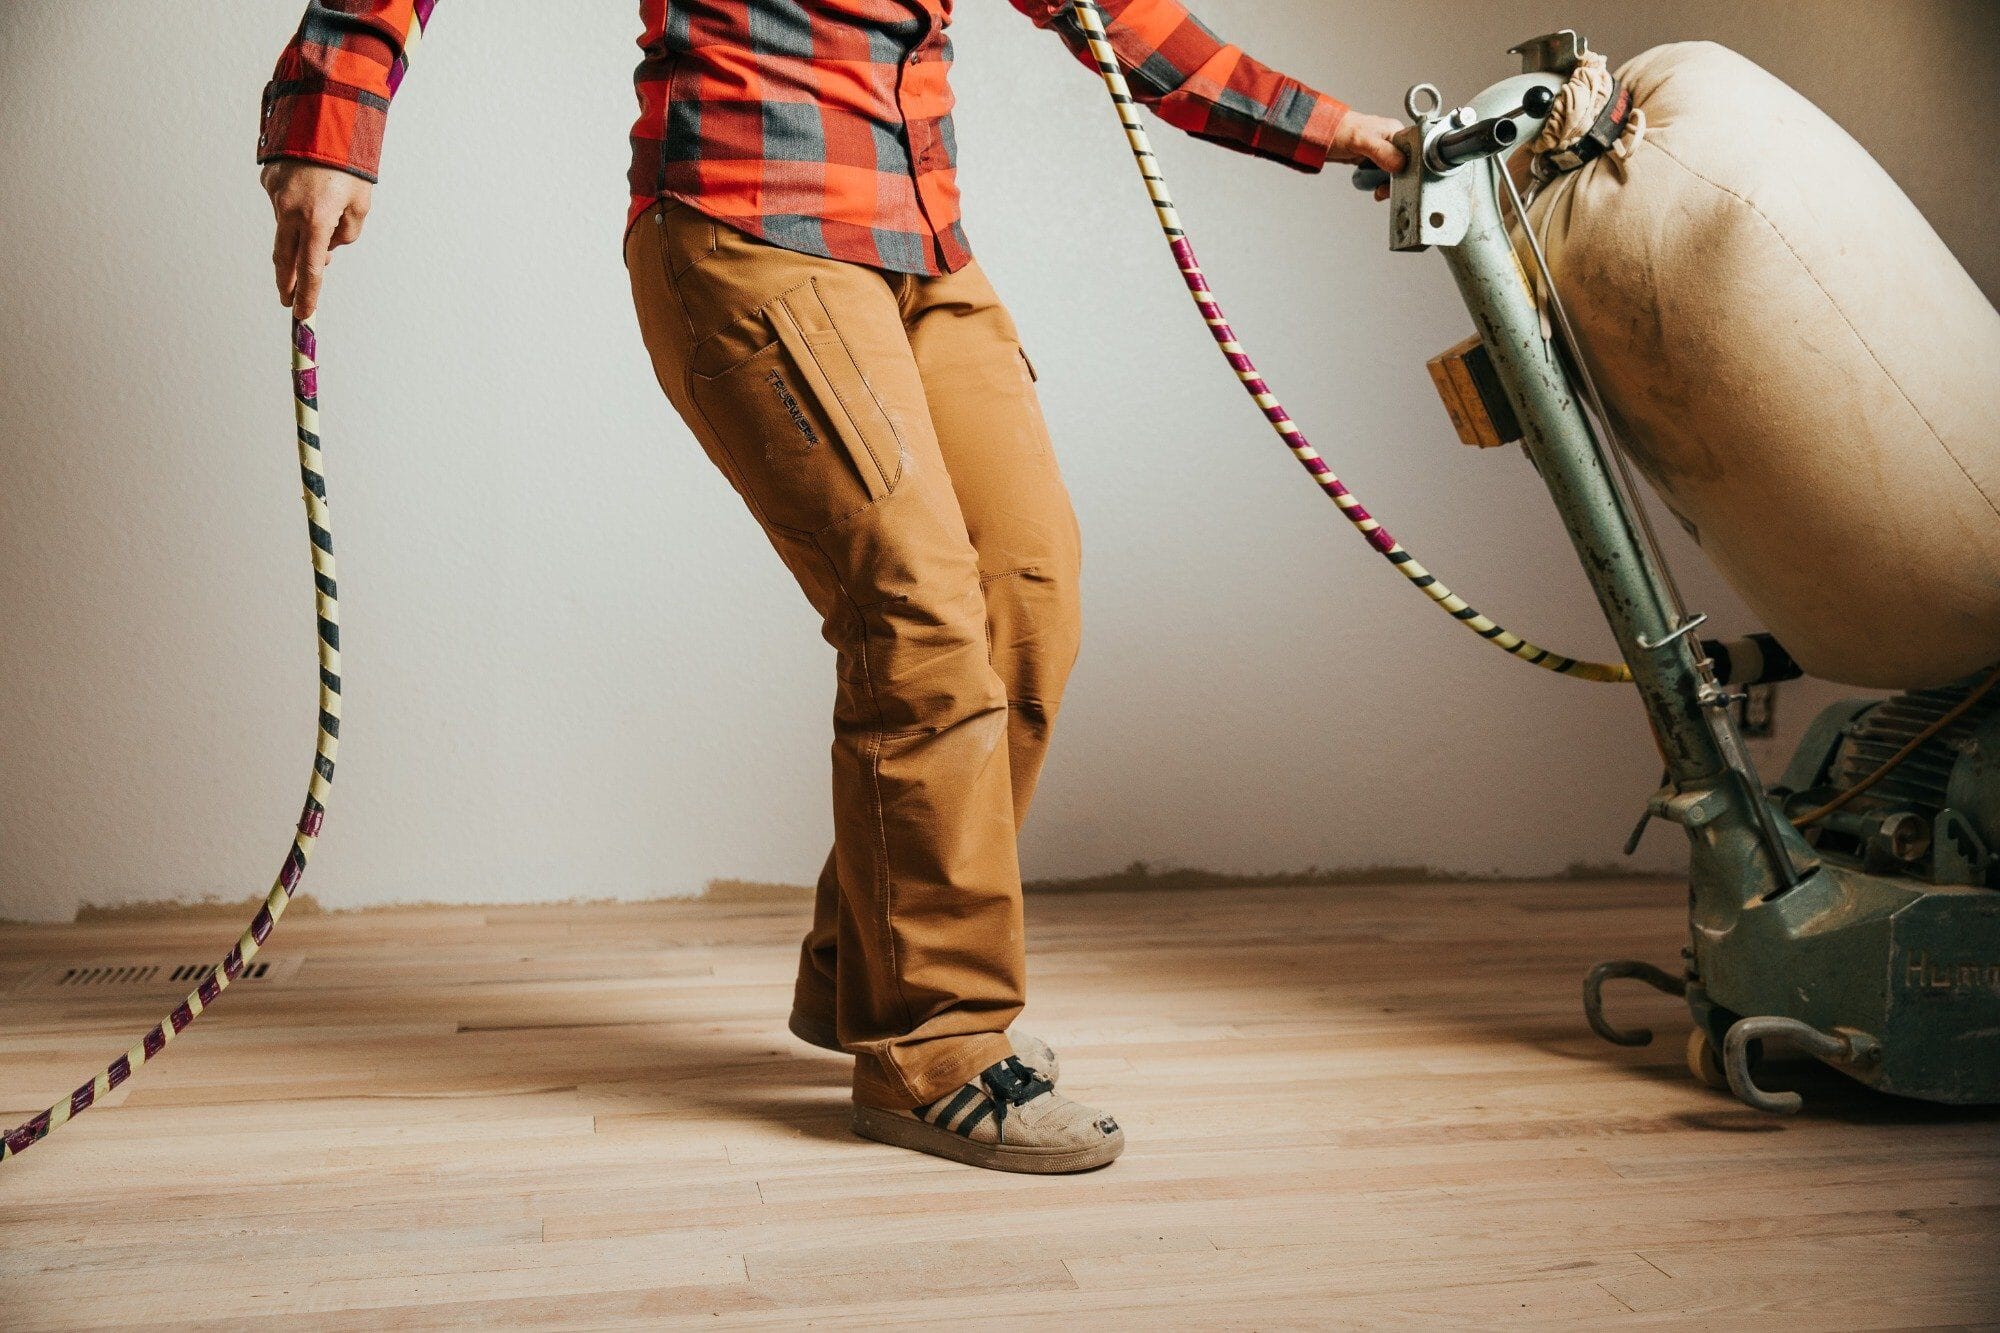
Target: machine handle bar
1455 148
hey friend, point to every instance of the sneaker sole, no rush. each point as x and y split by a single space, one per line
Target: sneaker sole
901 1131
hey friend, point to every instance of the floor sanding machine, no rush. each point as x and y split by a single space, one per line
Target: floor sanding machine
1852 909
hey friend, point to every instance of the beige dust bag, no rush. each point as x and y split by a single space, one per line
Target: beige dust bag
1801 367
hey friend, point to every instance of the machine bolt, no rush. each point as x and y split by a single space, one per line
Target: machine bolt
1906 836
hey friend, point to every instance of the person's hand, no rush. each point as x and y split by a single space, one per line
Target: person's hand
319 210
1363 139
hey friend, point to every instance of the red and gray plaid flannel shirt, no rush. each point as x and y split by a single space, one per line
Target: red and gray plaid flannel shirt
822 126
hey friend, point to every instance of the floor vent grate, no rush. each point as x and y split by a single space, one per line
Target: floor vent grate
141 974
147 975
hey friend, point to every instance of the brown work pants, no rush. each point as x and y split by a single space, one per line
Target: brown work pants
883 429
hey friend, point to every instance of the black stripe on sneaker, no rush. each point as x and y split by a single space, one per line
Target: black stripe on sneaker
924 1112
972 1121
958 1104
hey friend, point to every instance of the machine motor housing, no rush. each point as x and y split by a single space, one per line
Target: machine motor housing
1935 817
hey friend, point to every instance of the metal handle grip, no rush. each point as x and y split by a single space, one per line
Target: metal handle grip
1456 147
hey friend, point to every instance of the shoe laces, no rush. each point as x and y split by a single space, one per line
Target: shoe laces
1010 1084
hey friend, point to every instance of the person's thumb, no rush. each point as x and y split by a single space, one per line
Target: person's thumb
349 229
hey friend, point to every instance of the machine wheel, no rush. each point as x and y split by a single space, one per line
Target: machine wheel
1705 1061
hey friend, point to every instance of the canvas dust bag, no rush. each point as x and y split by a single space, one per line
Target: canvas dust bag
1797 362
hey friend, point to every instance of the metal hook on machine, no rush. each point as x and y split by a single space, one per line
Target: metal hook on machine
1593 997
1841 1047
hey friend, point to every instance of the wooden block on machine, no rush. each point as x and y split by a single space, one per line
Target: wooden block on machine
1472 395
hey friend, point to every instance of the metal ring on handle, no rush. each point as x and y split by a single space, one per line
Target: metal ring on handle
305 407
1092 24
1431 95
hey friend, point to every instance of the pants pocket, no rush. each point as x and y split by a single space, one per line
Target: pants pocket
787 401
690 236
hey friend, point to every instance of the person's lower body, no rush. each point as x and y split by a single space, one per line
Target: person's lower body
884 430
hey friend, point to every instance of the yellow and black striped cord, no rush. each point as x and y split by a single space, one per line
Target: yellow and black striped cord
1091 21
305 391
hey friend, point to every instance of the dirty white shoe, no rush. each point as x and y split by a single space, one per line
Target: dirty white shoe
1036 1055
1007 1119
1030 1051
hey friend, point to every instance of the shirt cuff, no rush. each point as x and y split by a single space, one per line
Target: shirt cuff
334 127
1315 141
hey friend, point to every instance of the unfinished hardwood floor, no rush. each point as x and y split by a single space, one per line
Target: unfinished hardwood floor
1346 1106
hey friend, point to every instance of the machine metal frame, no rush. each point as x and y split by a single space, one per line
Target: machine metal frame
1893 980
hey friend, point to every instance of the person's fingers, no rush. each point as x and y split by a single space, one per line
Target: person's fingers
318 210
1370 141
1381 192
349 230
312 261
1383 153
285 257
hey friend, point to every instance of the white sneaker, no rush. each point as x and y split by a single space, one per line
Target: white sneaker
1007 1119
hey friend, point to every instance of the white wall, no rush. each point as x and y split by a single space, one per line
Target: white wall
574 668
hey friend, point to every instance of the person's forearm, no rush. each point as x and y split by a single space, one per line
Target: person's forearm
324 112
328 101
1198 83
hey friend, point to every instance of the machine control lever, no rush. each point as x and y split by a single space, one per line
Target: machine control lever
1538 101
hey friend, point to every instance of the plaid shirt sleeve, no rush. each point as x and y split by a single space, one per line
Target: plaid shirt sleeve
1198 83
329 99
